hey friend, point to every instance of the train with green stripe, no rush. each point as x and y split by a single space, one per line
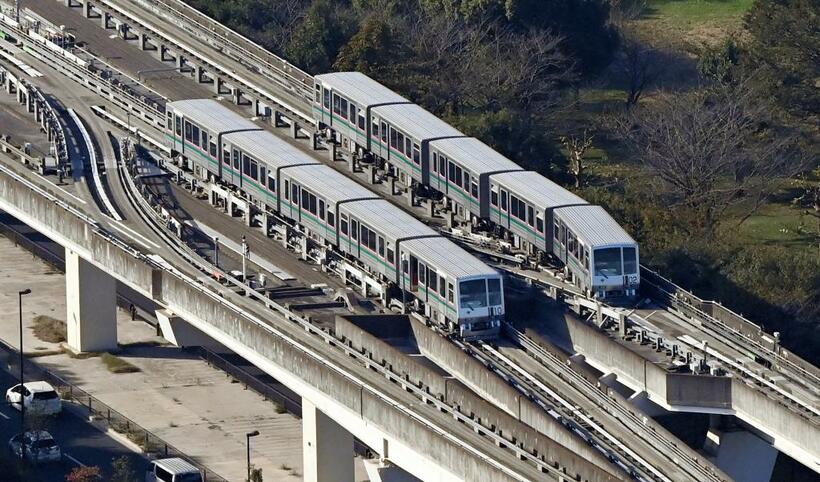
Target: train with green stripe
484 189
415 263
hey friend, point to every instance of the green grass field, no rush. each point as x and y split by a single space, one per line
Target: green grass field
697 11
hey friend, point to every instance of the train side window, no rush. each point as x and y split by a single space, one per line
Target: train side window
374 129
195 135
556 231
416 154
212 149
327 99
530 216
383 131
254 170
450 292
318 94
393 137
422 274
236 160
441 285
305 200
466 184
539 224
170 122
432 280
361 121
408 146
442 161
364 234
226 157
494 198
321 209
451 171
474 189
381 246
354 229
246 164
399 142
630 261
335 103
178 121
271 184
331 219
390 256
435 162
504 200
343 224
343 108
353 112
495 296
287 189
187 131
263 174
294 194
204 140
312 205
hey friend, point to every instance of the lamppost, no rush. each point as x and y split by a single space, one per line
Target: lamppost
216 251
248 445
20 295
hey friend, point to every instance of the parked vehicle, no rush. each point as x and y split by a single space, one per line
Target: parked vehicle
39 447
38 397
173 469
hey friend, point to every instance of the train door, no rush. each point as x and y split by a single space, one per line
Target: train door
504 212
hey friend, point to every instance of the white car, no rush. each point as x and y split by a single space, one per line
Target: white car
39 397
40 447
173 469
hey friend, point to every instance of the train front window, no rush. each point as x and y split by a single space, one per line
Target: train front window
608 262
472 294
494 285
630 261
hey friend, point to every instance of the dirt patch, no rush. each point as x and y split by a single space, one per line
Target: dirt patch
49 329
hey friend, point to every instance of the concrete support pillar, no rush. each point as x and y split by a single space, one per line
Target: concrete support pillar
104 20
327 448
303 245
163 53
180 61
351 163
91 305
294 129
199 74
143 40
217 85
622 325
431 208
87 8
236 95
410 197
371 173
277 118
314 141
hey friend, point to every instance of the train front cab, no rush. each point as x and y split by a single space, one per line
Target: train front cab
480 307
615 272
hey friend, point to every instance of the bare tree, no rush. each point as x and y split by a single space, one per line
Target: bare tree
712 149
577 147
640 69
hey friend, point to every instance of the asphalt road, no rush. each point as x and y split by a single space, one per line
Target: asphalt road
80 442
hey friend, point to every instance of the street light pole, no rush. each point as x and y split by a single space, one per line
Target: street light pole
216 251
20 295
248 445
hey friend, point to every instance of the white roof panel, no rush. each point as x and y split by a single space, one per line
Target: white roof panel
269 149
360 88
329 183
474 155
416 122
177 466
390 220
594 225
211 114
536 189
446 256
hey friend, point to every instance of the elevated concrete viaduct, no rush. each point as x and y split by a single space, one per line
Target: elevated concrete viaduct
425 442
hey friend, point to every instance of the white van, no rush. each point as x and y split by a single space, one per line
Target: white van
172 470
39 397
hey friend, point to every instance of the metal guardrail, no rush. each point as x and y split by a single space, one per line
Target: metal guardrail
151 445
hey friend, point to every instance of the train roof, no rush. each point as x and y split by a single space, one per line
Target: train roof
388 219
594 226
474 155
360 88
211 114
537 189
445 256
416 122
325 181
269 149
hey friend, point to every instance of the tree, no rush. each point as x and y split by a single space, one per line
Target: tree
577 147
712 149
785 41
370 48
326 28
122 470
84 474
720 63
640 69
256 474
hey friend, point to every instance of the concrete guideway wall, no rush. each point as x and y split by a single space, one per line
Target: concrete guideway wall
491 387
466 401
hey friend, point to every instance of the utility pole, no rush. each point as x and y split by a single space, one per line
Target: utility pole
216 251
246 252
17 11
20 295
